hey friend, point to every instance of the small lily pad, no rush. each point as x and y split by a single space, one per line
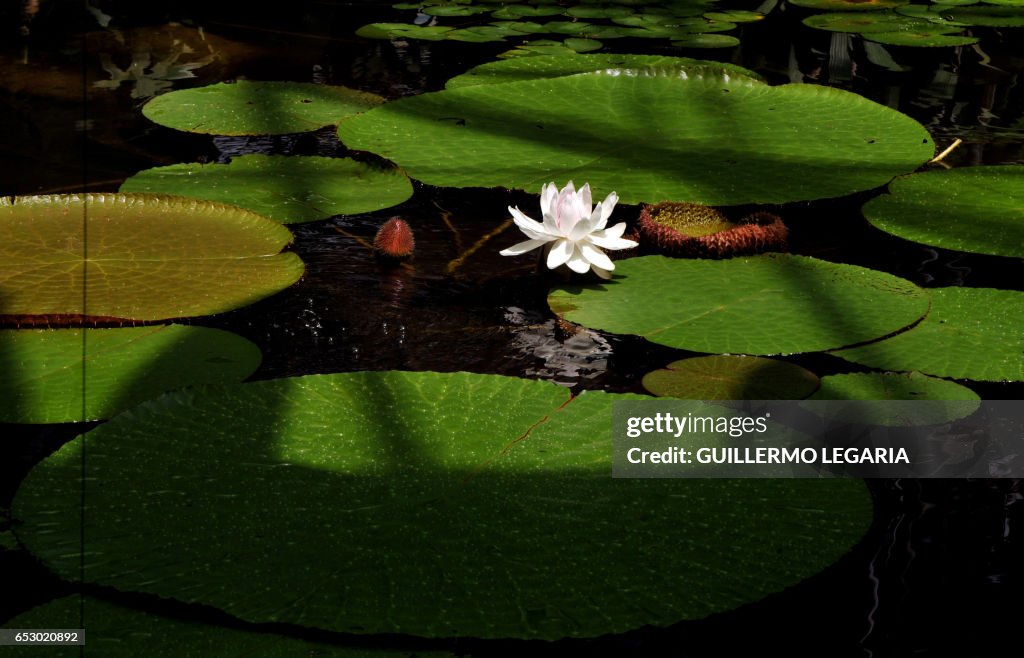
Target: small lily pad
982 15
68 375
976 209
598 11
453 10
404 31
735 16
706 41
147 257
924 12
969 333
289 189
522 27
892 386
576 28
935 400
481 34
257 108
417 503
768 304
519 11
726 377
583 45
867 23
532 50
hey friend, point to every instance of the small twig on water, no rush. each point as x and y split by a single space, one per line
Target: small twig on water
456 263
949 149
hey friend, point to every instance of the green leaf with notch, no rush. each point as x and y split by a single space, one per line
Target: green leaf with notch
430 504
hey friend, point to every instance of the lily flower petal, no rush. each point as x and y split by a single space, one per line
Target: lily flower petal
596 257
605 210
532 228
522 247
578 262
584 202
609 238
560 252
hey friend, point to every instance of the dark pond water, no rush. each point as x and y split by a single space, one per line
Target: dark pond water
938 574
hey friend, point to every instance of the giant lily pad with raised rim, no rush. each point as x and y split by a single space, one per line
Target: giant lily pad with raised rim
769 304
544 67
289 189
117 631
146 257
976 209
257 108
649 134
430 504
66 375
970 333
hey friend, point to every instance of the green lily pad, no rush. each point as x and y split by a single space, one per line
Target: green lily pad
454 10
417 503
976 209
970 333
706 41
287 189
575 28
531 50
519 11
147 257
982 15
935 400
891 386
257 108
598 11
541 68
867 23
924 12
523 27
735 16
481 34
67 375
921 37
726 377
768 304
683 27
709 138
404 31
582 45
849 5
116 631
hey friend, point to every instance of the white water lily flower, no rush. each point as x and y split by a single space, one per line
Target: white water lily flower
573 231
